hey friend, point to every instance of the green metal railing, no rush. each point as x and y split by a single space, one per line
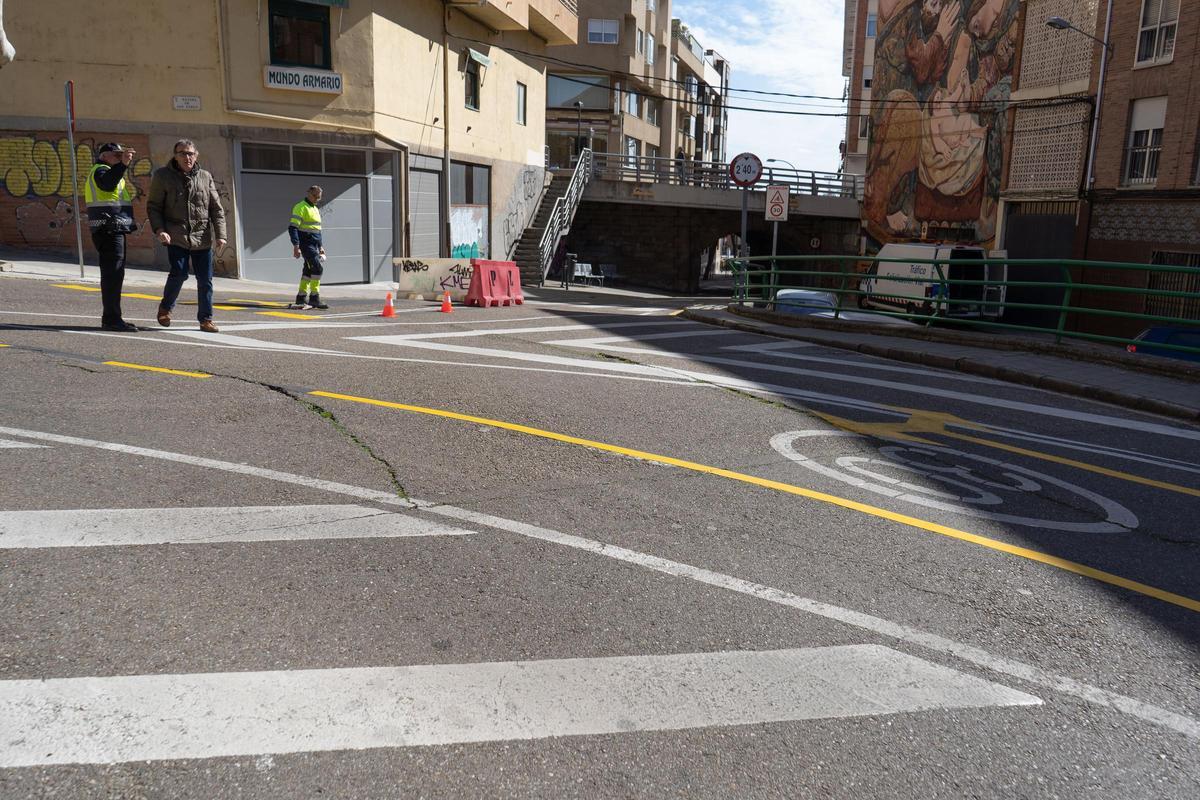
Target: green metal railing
939 296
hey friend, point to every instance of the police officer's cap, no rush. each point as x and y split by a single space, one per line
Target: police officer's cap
110 147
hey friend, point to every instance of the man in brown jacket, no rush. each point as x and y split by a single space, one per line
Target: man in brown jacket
185 212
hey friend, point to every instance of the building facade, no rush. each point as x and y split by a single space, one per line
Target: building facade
637 83
858 68
422 120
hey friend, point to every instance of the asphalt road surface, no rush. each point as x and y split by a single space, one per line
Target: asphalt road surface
573 549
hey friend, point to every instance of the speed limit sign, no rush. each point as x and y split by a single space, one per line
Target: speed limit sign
745 169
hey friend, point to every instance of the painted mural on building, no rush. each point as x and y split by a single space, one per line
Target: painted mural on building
37 210
942 79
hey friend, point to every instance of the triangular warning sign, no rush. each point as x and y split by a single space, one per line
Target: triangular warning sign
777 196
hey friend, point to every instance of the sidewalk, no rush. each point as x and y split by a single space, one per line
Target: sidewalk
1165 386
20 265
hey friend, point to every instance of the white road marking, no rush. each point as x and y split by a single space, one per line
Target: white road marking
116 527
1157 715
876 475
152 717
768 347
603 344
538 330
1123 423
246 342
12 444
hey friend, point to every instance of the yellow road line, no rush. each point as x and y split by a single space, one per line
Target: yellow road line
184 373
903 519
157 297
937 423
76 286
285 315
1070 462
677 313
5 345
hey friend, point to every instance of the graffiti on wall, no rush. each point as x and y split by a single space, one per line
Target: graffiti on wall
521 206
430 277
36 198
942 79
468 231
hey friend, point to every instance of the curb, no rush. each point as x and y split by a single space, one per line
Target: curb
971 367
1150 364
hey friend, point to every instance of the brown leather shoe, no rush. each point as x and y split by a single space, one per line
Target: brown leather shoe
208 327
164 317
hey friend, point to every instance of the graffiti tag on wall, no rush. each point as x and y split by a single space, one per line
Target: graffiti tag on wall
521 206
943 75
36 199
468 231
433 276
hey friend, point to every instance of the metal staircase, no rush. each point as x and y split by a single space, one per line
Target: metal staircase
535 250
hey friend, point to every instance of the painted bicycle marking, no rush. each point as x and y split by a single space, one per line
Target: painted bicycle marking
968 484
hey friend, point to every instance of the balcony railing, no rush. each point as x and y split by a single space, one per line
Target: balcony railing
572 6
715 175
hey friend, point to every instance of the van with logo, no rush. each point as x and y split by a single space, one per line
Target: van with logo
907 282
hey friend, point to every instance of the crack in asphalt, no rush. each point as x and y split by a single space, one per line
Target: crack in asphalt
337 424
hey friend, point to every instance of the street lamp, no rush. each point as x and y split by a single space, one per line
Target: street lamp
1058 23
782 161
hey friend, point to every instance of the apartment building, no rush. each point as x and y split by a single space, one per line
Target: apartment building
700 80
1146 196
423 120
858 68
637 84
1051 120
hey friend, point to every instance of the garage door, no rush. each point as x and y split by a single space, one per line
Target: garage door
266 205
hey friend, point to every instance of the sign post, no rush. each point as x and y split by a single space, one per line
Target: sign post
69 87
745 170
777 212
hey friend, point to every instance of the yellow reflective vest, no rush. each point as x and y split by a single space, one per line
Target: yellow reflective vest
305 225
109 211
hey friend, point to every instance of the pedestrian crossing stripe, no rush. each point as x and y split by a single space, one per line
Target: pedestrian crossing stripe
125 718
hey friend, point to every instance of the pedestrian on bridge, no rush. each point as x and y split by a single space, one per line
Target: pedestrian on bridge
185 214
304 230
109 198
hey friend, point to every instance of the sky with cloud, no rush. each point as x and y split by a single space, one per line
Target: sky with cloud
779 46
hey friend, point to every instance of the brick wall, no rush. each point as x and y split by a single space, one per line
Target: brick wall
1178 79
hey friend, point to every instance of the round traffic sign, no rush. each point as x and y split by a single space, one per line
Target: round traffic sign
776 210
745 169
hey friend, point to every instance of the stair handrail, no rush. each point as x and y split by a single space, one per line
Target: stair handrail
563 212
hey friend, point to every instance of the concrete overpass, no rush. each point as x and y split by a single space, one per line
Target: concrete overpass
653 218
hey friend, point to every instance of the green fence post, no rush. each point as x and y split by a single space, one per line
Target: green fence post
1066 304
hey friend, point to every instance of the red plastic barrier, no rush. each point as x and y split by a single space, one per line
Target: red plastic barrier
494 283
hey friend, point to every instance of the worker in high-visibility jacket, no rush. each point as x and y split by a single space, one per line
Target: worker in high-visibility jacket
304 229
109 197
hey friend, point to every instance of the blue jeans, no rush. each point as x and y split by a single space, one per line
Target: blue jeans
202 266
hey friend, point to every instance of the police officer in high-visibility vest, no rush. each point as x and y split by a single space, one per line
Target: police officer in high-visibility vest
109 197
304 229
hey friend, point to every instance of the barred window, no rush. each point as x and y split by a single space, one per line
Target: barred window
1179 307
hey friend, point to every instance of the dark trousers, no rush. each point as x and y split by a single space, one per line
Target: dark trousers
202 266
111 247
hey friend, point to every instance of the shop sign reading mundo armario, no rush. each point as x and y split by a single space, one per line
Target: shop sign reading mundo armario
302 79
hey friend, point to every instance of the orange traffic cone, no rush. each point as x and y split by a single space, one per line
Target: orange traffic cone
446 307
388 309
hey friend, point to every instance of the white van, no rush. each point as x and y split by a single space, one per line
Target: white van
923 294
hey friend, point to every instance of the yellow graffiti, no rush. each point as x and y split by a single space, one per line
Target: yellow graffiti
32 167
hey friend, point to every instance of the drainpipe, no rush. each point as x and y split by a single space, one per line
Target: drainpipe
1099 99
446 245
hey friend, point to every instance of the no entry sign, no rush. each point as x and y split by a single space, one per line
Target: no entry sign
777 203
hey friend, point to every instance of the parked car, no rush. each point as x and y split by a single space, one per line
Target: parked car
1146 341
813 303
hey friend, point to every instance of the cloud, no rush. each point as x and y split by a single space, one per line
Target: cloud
784 46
